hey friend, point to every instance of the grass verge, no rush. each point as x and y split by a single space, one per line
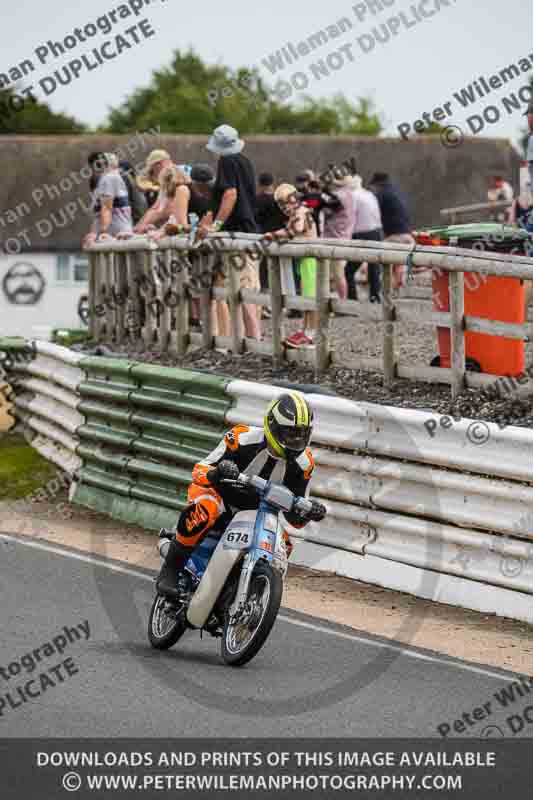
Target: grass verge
22 469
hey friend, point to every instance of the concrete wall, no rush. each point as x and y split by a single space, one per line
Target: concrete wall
39 292
40 175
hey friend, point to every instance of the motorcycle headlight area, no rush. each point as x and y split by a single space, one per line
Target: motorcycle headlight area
279 496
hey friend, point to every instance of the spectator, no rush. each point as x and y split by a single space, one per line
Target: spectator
159 212
138 201
368 226
310 190
110 199
269 217
500 192
268 214
300 223
395 219
202 182
149 189
339 219
233 208
175 186
522 209
529 153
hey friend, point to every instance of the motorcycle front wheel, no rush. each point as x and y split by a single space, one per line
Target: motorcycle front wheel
165 625
244 637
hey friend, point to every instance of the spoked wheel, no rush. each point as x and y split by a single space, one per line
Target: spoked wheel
244 637
166 624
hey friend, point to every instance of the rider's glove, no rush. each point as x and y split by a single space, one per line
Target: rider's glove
317 512
226 470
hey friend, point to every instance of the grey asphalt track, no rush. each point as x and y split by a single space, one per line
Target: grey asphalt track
312 678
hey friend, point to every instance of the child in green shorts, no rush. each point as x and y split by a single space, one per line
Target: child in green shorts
300 224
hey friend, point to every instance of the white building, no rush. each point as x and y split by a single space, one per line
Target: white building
40 292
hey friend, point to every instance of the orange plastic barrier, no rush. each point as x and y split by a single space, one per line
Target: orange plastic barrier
489 297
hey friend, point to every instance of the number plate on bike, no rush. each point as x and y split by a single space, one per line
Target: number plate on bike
238 537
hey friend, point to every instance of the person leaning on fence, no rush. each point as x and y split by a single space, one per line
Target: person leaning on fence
300 223
159 212
110 199
368 227
395 218
175 186
269 217
339 220
233 210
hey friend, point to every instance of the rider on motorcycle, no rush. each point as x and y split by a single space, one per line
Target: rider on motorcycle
278 451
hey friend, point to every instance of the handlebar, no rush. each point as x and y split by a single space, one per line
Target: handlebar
275 493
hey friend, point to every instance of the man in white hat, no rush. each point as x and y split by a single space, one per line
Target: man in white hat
159 213
233 210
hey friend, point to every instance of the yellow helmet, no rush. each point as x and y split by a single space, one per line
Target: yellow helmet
288 425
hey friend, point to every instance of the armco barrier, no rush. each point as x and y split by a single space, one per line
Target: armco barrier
438 517
145 427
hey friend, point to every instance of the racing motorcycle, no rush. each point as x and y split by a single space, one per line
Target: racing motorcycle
232 584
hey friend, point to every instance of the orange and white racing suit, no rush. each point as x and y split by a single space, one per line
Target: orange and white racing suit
209 505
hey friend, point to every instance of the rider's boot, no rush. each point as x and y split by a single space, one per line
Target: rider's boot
167 581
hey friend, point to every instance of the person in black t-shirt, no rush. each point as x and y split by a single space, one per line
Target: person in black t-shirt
269 217
202 181
233 209
268 214
234 193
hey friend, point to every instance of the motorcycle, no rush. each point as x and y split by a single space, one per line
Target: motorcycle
232 584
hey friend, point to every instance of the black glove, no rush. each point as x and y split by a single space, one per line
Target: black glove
226 470
317 512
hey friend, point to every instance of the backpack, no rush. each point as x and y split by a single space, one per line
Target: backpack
138 202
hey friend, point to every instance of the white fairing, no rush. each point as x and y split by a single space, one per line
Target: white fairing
220 565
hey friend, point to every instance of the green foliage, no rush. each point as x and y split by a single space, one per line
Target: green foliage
193 97
32 117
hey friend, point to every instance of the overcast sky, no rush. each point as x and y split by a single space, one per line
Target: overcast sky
418 70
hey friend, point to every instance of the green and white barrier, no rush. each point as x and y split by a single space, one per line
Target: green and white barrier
438 517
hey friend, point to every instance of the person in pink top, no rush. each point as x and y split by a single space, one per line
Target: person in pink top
339 222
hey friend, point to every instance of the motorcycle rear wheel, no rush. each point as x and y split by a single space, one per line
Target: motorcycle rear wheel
164 629
242 640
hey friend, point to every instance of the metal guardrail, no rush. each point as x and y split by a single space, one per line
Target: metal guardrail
435 516
123 306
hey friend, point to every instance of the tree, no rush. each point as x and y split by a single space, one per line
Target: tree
191 97
20 114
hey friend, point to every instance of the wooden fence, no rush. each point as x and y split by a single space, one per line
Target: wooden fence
140 291
477 212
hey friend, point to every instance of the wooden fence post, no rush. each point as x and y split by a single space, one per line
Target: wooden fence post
120 294
150 300
167 285
389 315
182 314
235 304
133 306
276 303
93 278
206 302
457 331
323 353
